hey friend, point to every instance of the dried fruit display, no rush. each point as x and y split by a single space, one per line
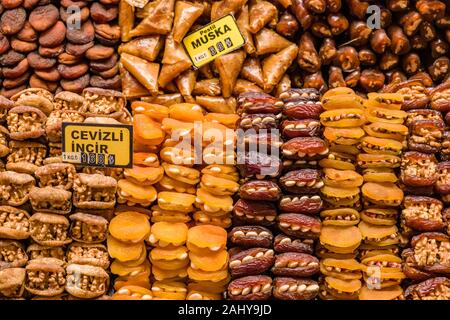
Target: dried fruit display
51 46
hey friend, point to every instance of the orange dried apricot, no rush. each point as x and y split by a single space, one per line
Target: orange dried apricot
340 239
186 112
175 201
130 226
182 173
155 111
169 184
213 276
121 269
131 292
228 120
163 274
147 131
124 251
222 171
142 280
164 233
219 186
181 155
211 203
146 159
390 293
213 261
206 236
144 175
169 290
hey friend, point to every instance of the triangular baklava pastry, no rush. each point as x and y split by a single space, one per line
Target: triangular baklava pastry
186 13
145 72
229 66
275 65
268 41
158 19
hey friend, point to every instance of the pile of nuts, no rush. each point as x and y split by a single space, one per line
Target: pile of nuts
59 45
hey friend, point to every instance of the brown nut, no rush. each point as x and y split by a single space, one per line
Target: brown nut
431 9
410 22
367 57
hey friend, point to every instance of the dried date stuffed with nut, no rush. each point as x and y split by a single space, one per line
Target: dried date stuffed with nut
258 102
250 236
440 97
254 212
305 148
258 121
431 252
283 243
260 190
418 169
259 166
425 136
250 262
442 185
432 289
300 128
250 288
292 264
304 204
423 213
305 181
287 288
299 225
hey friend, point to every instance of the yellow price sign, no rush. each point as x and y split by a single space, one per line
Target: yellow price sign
98 145
213 40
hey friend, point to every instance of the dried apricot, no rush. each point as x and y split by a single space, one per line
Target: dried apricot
164 234
124 251
130 226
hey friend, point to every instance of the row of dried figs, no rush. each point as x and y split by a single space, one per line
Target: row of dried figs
59 45
54 215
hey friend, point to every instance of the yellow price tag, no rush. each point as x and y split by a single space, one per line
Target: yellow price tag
98 145
213 40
